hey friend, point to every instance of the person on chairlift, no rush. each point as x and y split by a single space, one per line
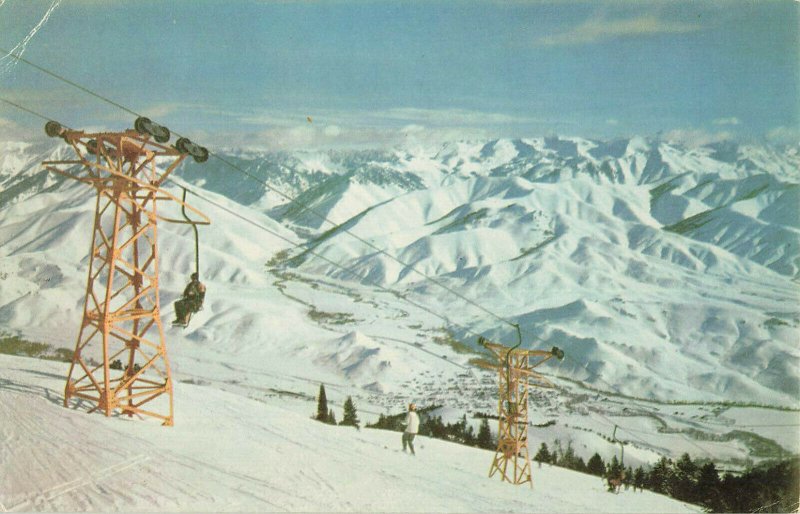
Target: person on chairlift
192 301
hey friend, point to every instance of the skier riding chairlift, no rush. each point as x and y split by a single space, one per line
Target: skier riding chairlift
191 302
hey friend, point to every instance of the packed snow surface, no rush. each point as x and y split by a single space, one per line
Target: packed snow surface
231 453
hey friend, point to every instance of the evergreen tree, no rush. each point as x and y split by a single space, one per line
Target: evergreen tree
485 435
614 468
639 478
659 478
628 480
596 466
469 436
331 419
543 455
613 471
568 459
322 405
683 479
555 455
350 417
708 487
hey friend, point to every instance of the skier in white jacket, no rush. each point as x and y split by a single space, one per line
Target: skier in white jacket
412 427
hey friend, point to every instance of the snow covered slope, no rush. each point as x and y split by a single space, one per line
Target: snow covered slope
230 453
590 246
642 260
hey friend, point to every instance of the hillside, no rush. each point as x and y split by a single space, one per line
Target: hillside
683 332
233 453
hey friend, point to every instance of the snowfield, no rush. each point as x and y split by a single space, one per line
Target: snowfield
228 452
668 275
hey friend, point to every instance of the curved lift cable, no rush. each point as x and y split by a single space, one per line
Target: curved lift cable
196 234
621 445
508 364
205 154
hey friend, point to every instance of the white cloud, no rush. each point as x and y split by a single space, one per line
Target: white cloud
696 137
332 131
600 29
733 120
12 131
784 135
450 116
612 121
387 127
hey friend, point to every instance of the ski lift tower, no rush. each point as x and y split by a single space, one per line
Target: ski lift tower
120 361
515 369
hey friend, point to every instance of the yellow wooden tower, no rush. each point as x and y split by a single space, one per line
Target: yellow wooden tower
120 361
515 370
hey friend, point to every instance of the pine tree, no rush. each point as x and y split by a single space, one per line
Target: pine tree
638 478
558 451
350 417
708 487
596 466
331 419
568 458
614 468
543 455
684 479
469 436
485 435
322 405
659 478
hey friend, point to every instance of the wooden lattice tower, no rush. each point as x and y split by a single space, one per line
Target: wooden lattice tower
120 360
515 370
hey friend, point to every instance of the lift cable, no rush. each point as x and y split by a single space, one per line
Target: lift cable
281 193
260 226
610 423
317 254
294 243
196 235
342 267
22 108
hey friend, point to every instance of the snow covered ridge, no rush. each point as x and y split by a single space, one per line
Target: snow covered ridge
665 272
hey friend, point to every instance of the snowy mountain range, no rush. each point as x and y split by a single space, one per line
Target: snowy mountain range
658 268
667 274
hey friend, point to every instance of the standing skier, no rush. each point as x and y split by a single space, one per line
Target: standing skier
412 427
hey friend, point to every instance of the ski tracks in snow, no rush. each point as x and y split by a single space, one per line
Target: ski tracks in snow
41 500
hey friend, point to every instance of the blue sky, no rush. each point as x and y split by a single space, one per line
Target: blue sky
372 73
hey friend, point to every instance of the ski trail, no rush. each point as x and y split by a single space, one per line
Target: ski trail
8 61
54 492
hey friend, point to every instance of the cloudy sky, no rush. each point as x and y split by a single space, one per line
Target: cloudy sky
287 73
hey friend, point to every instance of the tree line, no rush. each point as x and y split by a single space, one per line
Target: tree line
769 487
431 426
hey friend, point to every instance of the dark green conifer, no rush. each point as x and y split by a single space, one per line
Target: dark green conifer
596 466
322 405
485 435
543 455
350 417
